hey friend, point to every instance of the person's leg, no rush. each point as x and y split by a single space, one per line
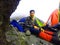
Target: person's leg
49 30
34 31
47 27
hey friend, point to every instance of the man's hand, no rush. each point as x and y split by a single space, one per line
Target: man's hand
42 29
36 27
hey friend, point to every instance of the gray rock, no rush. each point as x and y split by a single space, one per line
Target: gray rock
19 38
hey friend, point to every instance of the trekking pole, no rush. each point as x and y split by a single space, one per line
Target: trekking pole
59 12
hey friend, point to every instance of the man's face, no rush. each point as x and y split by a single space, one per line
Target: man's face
32 14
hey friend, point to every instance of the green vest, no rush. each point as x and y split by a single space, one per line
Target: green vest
40 24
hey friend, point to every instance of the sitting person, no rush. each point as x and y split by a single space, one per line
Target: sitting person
32 24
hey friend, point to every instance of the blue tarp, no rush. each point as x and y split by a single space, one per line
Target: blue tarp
16 24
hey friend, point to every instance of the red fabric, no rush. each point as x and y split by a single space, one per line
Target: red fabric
49 32
45 36
54 18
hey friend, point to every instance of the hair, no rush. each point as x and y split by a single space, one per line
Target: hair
32 11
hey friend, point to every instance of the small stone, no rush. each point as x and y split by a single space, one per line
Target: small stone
28 33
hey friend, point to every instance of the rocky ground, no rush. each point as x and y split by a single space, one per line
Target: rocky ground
14 37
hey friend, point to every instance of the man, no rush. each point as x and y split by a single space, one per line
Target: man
31 21
33 25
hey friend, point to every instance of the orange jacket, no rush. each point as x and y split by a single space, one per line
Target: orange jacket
53 18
